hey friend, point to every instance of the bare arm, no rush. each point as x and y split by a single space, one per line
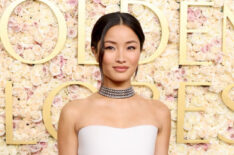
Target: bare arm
163 137
67 136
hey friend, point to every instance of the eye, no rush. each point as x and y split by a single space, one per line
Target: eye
109 48
131 47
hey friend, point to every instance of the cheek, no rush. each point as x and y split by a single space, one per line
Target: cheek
108 58
134 58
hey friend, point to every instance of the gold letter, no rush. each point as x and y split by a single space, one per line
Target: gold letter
48 102
9 121
6 42
182 109
230 104
81 34
227 14
163 22
183 32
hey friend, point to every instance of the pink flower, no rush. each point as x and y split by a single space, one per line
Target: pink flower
18 10
56 146
232 136
14 26
57 101
19 48
170 97
60 76
43 144
218 59
159 84
74 97
72 2
204 146
182 71
202 19
229 128
35 24
196 15
97 75
206 48
62 61
73 88
191 15
216 41
67 16
29 93
97 1
35 149
45 69
72 33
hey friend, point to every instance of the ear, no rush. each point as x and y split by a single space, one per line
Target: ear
94 52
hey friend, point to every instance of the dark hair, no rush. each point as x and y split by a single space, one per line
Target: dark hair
105 22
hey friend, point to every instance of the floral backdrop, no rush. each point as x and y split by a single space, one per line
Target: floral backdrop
33 30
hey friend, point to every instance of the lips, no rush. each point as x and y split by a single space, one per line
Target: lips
120 68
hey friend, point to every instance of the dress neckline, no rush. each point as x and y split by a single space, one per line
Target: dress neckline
118 128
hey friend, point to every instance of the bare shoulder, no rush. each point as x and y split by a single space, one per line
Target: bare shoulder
73 108
162 112
160 107
77 104
72 105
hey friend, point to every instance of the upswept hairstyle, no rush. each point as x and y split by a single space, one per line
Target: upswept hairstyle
105 22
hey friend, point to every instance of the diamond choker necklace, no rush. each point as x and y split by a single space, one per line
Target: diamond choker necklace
115 93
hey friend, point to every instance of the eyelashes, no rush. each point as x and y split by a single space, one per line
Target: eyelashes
109 48
132 47
112 48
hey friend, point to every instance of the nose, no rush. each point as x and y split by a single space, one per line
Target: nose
120 56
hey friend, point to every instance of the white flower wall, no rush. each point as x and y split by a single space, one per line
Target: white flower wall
33 30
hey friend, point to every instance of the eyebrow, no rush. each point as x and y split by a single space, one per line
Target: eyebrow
131 41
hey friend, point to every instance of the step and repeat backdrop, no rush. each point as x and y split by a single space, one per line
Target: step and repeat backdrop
187 63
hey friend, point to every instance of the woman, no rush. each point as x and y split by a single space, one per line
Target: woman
115 120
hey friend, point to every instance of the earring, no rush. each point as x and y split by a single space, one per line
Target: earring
136 72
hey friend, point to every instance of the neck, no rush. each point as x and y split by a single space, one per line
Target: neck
116 93
117 85
117 90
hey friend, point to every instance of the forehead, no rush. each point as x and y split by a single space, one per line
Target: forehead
120 33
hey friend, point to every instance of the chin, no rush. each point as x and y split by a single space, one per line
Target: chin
119 78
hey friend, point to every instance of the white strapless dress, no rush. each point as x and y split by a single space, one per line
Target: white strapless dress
107 140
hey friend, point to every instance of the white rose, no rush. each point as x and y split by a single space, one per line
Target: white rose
54 69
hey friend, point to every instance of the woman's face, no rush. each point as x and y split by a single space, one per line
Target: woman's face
121 53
